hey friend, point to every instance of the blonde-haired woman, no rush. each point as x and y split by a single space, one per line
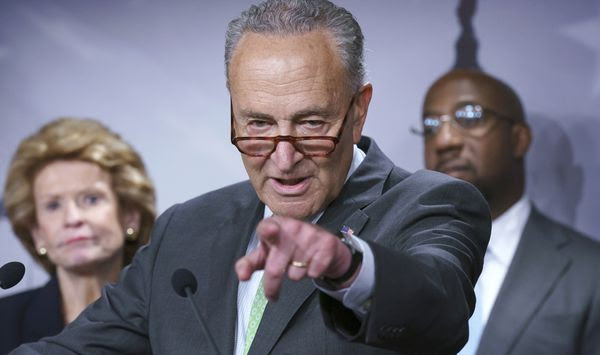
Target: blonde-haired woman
79 199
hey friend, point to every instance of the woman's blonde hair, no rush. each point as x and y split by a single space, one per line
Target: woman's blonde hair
85 140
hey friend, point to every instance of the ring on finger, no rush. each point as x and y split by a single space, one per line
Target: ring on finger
299 264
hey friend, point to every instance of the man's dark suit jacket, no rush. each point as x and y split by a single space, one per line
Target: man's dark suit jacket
428 233
549 302
30 315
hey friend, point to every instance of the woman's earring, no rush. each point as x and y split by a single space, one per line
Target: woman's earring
42 251
130 234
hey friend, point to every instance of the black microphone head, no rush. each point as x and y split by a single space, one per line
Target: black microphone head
11 273
182 279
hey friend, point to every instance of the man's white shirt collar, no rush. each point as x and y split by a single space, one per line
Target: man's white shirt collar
507 230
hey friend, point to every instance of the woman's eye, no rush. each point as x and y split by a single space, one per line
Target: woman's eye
52 206
91 199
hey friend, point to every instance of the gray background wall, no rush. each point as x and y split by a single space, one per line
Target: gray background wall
153 71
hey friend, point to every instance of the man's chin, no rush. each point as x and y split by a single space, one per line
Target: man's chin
297 210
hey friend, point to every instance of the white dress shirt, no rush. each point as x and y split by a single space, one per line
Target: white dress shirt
355 297
504 238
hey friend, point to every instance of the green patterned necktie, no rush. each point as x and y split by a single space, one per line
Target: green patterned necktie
258 307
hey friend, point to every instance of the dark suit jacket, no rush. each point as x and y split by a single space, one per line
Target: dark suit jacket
428 233
30 315
549 302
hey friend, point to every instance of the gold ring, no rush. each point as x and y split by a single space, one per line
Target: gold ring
300 264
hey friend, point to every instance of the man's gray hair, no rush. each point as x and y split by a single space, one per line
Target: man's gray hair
293 17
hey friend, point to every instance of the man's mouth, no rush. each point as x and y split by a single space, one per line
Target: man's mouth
290 181
290 187
454 167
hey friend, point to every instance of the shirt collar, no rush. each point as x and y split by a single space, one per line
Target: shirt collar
507 230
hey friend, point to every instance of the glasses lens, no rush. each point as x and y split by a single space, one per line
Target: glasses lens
431 125
470 116
264 147
315 147
256 147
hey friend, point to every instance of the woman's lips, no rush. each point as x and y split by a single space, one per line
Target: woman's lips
76 240
290 187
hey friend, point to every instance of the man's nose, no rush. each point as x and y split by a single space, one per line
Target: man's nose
286 156
448 137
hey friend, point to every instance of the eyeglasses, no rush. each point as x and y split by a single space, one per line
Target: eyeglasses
472 119
309 146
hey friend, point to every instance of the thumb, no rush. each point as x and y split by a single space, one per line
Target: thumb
246 265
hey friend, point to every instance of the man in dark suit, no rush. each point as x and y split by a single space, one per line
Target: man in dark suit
327 249
539 291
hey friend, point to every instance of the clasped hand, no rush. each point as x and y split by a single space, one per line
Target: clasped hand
316 252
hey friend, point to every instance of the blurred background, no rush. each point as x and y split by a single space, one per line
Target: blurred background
153 71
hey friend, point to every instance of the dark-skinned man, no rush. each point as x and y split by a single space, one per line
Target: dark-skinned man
539 291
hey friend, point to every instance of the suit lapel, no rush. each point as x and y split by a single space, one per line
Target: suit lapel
221 299
278 314
363 187
536 268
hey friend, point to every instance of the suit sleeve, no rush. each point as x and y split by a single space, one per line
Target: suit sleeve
118 321
428 252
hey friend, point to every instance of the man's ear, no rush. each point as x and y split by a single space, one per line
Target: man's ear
521 135
361 107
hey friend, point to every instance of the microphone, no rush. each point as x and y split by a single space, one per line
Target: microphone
11 273
185 285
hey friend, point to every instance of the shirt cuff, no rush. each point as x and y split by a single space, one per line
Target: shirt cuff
357 297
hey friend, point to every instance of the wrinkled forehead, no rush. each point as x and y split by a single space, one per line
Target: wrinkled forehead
286 64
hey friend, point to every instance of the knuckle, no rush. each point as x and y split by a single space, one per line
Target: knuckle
295 227
273 270
294 275
325 262
330 243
